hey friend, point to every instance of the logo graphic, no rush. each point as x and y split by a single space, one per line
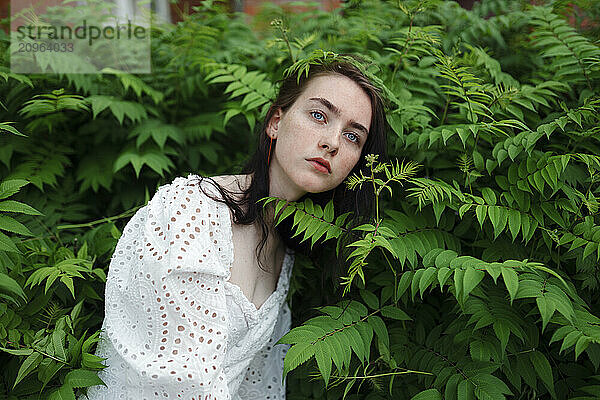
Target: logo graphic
52 36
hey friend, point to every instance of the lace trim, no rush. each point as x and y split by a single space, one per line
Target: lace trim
253 314
226 233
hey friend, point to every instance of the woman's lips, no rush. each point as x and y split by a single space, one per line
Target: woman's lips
320 165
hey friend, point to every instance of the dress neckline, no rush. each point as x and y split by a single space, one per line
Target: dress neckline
273 298
280 291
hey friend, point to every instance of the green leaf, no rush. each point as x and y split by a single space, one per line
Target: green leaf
12 225
538 181
46 374
459 274
10 287
365 227
4 126
28 366
81 378
471 279
58 342
427 278
550 211
489 387
370 299
589 249
356 343
429 394
430 257
158 130
499 216
380 330
481 212
570 340
328 212
502 332
489 196
513 151
494 269
65 392
414 286
560 333
303 333
443 275
581 345
366 333
543 369
323 360
136 112
10 187
6 244
443 259
395 313
405 281
511 280
514 223
465 390
69 284
17 352
152 157
18 207
547 308
91 361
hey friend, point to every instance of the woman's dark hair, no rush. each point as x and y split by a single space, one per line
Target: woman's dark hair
246 208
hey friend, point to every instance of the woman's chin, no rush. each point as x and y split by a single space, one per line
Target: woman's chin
315 185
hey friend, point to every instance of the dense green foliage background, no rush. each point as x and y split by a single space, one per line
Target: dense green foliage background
479 280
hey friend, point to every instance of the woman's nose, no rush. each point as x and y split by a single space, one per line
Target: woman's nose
330 141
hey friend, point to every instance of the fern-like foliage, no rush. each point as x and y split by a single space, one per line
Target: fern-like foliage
465 86
573 58
310 219
435 261
257 91
478 275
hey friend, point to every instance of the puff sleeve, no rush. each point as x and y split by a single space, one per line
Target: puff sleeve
165 326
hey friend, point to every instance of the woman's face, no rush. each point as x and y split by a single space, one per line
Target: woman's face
319 138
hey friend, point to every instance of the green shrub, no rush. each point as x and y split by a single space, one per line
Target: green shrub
490 197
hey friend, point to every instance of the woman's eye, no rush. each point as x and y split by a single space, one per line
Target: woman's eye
354 138
317 115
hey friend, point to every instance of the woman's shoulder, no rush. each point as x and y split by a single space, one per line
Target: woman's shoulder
234 184
207 185
189 225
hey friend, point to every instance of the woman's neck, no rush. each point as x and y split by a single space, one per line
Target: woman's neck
281 187
238 185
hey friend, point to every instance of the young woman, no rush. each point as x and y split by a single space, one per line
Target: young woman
195 297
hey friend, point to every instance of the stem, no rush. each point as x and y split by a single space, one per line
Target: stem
445 110
520 352
344 327
408 371
127 213
38 220
42 353
376 195
388 261
409 39
395 274
52 357
287 42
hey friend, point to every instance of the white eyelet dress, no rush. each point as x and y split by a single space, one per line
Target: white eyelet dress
174 327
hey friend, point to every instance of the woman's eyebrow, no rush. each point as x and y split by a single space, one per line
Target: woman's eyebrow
327 103
334 109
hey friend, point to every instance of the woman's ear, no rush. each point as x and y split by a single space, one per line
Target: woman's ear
273 124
